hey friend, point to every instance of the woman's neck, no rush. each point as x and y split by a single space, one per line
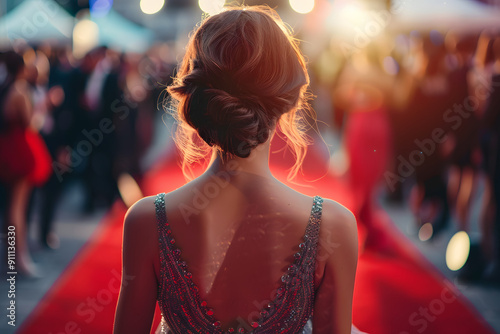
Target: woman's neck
257 163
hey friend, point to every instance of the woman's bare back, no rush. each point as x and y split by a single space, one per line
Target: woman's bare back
238 236
239 233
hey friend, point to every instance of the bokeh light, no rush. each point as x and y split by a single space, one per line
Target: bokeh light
85 37
302 6
211 7
151 6
457 251
100 8
353 14
425 232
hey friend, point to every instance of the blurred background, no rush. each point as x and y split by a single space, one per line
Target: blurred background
407 95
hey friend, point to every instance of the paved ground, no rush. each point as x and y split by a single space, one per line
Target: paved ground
485 299
74 229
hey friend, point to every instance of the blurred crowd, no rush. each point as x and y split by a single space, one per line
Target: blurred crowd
418 113
65 120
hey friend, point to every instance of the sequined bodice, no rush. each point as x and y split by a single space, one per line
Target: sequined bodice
184 311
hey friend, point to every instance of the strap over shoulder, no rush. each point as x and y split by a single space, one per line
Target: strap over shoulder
161 217
312 230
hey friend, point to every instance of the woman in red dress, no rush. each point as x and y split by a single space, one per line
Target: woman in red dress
363 91
24 159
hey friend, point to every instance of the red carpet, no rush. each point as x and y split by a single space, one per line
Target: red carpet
399 293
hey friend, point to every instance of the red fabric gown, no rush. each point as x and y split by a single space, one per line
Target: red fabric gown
23 153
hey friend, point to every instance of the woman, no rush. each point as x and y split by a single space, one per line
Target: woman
237 259
363 92
24 159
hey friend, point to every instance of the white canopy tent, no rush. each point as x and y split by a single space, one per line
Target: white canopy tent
36 21
117 32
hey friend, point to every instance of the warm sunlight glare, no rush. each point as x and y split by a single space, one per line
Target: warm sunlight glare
354 14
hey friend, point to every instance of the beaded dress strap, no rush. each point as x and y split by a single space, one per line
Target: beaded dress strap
161 220
311 238
312 230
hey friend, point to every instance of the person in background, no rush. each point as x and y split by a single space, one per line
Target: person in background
363 92
55 130
465 157
24 157
491 123
428 101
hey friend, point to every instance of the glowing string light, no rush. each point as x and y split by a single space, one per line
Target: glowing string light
85 37
302 6
151 6
211 7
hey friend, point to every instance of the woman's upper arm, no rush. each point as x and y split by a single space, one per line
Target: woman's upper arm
137 300
338 247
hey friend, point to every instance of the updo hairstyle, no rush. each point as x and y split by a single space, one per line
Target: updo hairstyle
242 75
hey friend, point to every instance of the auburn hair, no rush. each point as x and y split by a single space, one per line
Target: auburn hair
242 75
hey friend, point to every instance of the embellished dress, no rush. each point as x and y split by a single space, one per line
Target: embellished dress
183 310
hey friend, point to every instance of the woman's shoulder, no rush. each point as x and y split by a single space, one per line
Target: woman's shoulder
140 216
336 219
143 211
335 215
338 232
139 230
